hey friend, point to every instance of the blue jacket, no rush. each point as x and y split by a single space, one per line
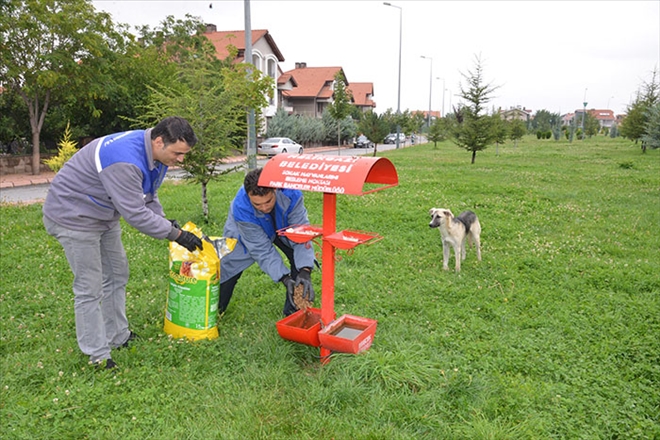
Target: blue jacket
111 177
256 232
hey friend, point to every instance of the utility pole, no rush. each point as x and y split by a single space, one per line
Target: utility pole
252 132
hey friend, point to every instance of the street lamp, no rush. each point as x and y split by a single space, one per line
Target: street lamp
398 101
428 117
584 113
443 96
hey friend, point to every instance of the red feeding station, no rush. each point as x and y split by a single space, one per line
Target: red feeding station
330 175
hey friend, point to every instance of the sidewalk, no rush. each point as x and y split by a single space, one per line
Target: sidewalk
16 180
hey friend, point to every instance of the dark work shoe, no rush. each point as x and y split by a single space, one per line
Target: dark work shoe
106 364
131 337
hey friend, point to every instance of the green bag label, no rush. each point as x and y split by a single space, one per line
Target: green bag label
192 303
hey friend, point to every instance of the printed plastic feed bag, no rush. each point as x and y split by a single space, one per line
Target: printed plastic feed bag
194 287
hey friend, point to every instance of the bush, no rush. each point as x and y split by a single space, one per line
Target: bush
65 152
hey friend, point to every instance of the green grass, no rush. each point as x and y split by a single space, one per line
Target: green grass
554 335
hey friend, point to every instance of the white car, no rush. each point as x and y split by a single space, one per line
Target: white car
277 145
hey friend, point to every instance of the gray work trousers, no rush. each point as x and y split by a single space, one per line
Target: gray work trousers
100 273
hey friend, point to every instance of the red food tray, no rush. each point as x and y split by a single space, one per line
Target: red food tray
301 233
348 239
348 334
302 326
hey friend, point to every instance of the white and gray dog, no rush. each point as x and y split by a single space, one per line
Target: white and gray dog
455 231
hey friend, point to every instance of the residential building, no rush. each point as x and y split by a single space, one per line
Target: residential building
605 118
518 112
315 87
266 57
363 94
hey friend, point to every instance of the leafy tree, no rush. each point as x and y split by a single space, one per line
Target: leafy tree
213 95
12 113
651 137
341 105
52 50
415 122
544 120
473 131
517 130
346 127
374 127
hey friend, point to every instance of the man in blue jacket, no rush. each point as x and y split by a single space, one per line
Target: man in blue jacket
111 177
255 214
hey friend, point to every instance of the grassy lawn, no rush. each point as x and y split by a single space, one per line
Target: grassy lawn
554 335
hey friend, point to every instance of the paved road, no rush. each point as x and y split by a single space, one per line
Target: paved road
37 193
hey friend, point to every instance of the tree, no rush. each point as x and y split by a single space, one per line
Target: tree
500 130
439 131
341 105
51 50
591 125
633 126
544 120
374 127
651 137
213 95
473 131
517 131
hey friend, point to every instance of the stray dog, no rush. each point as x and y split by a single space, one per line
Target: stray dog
454 232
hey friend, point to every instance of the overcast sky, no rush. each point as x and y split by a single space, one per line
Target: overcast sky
542 54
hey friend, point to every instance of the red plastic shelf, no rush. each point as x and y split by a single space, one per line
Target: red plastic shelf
301 233
348 239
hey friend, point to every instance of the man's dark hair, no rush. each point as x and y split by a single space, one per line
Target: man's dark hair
173 129
251 184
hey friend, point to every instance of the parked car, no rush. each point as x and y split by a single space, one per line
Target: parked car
277 145
362 142
391 138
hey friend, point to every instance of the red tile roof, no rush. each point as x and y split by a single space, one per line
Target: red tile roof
313 82
222 39
602 115
362 93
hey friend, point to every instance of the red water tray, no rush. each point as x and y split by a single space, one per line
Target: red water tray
348 334
348 239
301 233
301 326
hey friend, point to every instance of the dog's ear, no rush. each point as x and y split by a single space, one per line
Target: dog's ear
447 213
431 211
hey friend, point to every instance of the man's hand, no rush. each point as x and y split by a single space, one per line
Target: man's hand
304 278
189 241
290 285
175 223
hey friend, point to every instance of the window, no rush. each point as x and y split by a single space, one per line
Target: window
272 68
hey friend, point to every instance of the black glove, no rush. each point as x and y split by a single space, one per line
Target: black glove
304 278
175 223
189 241
290 285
